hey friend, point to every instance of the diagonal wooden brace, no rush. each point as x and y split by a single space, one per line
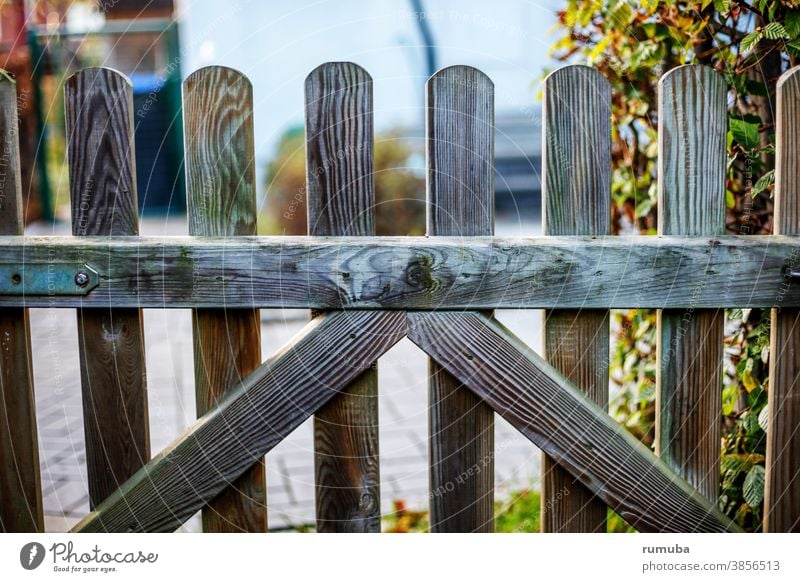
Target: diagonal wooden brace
551 412
250 420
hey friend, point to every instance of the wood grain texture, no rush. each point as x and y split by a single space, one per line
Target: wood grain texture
576 152
20 481
420 272
102 175
339 140
562 421
341 201
782 489
329 353
692 126
576 200
11 211
460 196
220 176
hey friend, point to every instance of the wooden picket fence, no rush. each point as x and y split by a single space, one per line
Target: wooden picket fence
368 292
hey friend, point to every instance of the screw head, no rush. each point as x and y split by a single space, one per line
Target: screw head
82 279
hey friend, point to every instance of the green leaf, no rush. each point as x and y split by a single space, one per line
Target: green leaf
750 41
794 46
745 134
721 6
620 13
730 201
753 488
750 423
730 397
763 419
764 182
735 464
774 31
792 23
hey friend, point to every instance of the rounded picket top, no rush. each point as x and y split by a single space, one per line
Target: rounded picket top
98 104
692 156
94 78
339 150
578 84
219 148
460 152
216 75
340 80
578 75
704 86
336 76
576 152
459 76
790 80
702 76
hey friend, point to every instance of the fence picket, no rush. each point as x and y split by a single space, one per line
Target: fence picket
692 125
782 489
576 197
460 184
220 175
20 481
102 176
341 199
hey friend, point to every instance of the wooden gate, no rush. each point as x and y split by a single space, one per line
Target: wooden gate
368 292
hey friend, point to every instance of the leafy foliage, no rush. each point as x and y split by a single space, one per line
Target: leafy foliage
633 372
519 513
404 520
633 44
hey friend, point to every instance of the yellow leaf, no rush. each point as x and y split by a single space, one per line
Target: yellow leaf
747 377
597 51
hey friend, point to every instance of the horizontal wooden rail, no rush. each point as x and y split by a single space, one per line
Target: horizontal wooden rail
249 420
565 423
417 272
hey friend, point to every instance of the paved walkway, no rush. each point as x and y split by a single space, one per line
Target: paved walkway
290 466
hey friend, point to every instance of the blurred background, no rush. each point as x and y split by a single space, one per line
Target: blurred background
276 44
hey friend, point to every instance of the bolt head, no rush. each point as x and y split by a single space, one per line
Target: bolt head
82 279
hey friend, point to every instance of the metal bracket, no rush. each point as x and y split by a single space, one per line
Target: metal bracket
47 279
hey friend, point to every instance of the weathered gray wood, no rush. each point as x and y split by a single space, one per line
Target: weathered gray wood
782 489
102 175
576 200
20 482
220 178
341 200
561 420
692 122
692 128
339 140
576 152
419 272
248 421
460 196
